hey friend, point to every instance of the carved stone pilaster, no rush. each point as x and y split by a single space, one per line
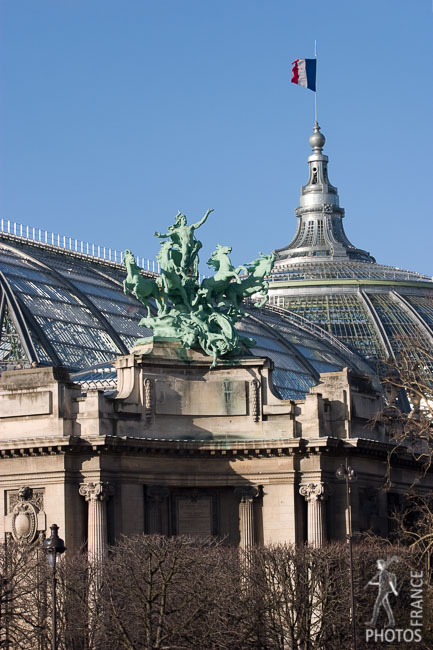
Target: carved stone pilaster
255 399
157 495
96 494
148 400
315 494
246 496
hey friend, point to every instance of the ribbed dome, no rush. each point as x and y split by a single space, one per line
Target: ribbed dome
376 310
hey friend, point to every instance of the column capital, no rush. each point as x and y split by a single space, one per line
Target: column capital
317 491
247 493
97 491
157 493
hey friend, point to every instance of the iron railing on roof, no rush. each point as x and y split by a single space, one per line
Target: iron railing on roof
342 271
37 235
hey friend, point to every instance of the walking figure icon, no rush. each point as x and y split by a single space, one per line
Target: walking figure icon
387 584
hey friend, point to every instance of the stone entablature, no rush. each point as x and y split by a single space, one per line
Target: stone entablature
166 392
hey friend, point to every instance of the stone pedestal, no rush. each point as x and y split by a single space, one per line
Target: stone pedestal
246 515
96 495
315 494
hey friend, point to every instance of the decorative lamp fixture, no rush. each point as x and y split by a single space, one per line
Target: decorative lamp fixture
54 546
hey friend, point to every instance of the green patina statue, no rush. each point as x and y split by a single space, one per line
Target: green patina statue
187 246
198 315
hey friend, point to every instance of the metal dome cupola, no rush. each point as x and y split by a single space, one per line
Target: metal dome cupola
376 310
320 232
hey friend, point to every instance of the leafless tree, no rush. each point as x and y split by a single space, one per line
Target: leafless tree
179 593
407 417
162 592
22 597
295 592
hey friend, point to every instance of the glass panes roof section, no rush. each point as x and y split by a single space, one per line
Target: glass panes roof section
290 378
10 343
399 326
76 334
423 305
343 315
298 357
52 289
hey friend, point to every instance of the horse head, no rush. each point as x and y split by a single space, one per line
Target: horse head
166 246
262 265
266 261
218 254
128 257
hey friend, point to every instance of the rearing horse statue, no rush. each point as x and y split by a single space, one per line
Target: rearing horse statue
214 287
142 288
254 283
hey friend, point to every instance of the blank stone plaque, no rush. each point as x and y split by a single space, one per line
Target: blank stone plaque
180 397
194 516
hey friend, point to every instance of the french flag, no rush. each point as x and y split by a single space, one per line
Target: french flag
304 73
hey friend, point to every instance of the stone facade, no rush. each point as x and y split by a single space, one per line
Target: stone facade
183 449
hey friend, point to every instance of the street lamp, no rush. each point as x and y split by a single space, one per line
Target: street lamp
346 473
54 547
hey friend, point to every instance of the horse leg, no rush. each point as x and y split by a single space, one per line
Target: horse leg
184 296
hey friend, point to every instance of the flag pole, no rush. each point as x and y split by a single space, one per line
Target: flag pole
315 93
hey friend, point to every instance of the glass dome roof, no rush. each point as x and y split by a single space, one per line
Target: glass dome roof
377 311
64 308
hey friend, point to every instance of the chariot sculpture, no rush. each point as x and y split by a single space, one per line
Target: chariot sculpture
199 315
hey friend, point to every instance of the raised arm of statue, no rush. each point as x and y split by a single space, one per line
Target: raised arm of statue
160 235
201 222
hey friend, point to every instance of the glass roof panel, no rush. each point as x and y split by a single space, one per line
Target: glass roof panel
76 334
291 380
59 310
291 385
22 271
343 315
130 308
51 291
399 326
424 307
76 357
100 290
125 325
11 349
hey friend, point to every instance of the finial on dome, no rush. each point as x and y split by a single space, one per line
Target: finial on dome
317 140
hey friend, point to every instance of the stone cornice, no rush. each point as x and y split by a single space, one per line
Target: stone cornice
239 449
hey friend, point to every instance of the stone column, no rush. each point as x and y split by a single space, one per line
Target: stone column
156 497
315 494
246 495
96 495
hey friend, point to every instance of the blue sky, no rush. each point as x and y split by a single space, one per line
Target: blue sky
117 113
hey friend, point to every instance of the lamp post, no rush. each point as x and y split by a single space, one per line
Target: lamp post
54 546
346 473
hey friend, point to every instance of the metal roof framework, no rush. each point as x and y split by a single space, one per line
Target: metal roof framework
70 310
